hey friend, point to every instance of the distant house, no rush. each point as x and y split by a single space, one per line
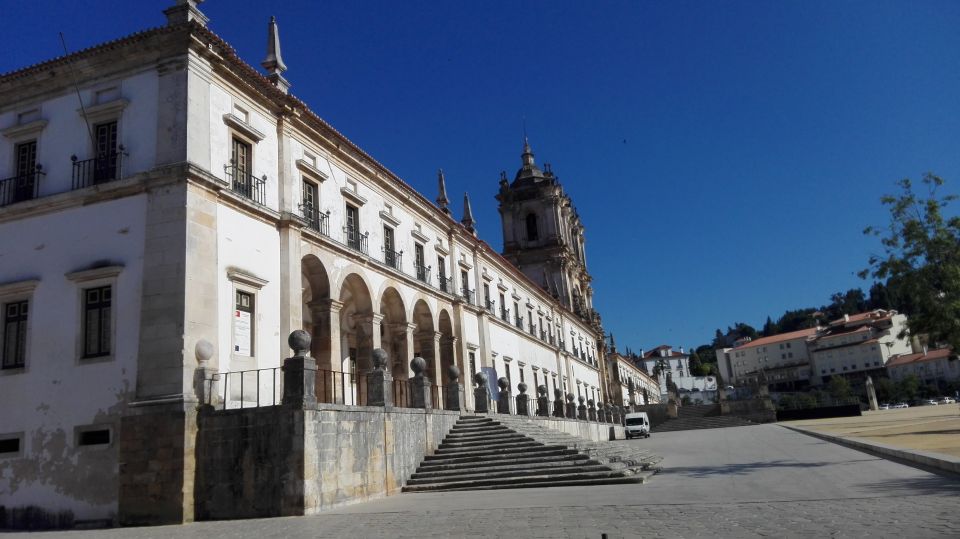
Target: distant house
676 365
930 366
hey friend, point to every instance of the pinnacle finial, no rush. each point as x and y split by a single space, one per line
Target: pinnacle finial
527 155
467 220
442 201
273 63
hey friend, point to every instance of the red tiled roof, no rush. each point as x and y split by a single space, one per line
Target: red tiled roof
876 315
773 339
931 355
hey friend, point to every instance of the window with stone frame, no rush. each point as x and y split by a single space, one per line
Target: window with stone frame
15 334
97 321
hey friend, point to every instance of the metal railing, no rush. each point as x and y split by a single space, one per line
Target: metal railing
392 258
355 240
504 314
467 295
403 396
21 188
100 169
315 219
518 321
423 273
444 283
252 388
489 305
246 185
336 387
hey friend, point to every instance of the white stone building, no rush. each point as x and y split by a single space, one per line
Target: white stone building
931 367
784 359
676 365
627 377
858 345
189 208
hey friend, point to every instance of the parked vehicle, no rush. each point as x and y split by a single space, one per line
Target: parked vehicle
929 402
884 406
637 425
947 400
901 405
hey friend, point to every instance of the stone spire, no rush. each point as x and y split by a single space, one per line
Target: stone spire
468 215
527 153
273 63
442 201
185 11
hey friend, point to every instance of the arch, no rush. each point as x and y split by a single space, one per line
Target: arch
533 232
426 338
447 355
315 305
359 335
394 334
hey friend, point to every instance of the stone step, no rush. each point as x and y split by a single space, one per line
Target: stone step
531 464
497 440
430 466
543 453
480 449
481 474
507 481
480 435
478 428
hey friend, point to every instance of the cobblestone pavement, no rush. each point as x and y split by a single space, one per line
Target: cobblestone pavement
740 482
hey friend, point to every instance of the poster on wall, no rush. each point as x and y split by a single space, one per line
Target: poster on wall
241 333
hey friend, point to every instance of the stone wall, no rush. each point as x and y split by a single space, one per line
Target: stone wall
758 410
657 413
277 460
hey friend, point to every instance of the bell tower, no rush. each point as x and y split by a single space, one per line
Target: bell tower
543 235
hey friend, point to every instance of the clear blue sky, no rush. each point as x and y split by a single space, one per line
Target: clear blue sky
724 156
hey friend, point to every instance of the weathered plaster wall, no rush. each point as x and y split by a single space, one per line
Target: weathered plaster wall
277 461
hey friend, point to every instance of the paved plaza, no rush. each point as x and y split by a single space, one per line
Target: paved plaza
759 481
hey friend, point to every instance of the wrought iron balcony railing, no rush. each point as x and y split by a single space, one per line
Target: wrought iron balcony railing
423 273
247 185
504 314
392 258
444 284
315 219
21 188
489 305
518 321
101 169
467 295
355 240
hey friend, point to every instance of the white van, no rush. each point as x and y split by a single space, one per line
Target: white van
638 424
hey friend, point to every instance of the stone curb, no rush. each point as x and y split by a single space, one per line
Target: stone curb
937 461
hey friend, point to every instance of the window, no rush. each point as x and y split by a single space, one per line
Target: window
465 285
243 318
419 262
442 269
15 334
240 171
532 232
105 140
530 322
353 227
97 311
486 297
390 256
473 362
788 345
24 184
311 205
10 445
97 436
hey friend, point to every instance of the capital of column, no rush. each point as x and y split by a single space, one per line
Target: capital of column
368 318
325 305
403 327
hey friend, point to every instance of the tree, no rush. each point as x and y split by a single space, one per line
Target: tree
921 259
850 302
909 387
839 387
886 390
769 328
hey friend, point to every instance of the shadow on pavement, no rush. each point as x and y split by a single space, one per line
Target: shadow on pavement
933 484
749 467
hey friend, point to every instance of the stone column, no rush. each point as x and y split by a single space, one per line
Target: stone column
325 347
872 394
419 385
543 402
558 405
591 410
571 407
503 398
523 405
480 396
299 373
380 381
582 409
453 390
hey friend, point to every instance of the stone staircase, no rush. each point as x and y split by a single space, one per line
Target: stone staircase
499 452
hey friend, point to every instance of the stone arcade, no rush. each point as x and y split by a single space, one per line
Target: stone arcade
165 234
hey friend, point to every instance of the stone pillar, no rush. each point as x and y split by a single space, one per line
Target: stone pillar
601 413
299 373
558 406
480 397
872 394
419 385
591 410
582 409
325 347
571 407
380 381
543 403
206 380
503 398
523 405
453 391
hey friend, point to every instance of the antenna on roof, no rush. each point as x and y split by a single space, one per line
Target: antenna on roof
73 77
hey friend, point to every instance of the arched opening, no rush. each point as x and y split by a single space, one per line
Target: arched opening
357 332
316 305
533 233
394 333
447 356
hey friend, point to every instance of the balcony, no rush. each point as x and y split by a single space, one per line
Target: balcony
533 330
320 222
518 321
355 240
543 335
444 284
467 295
422 272
101 169
505 314
392 258
246 185
20 188
488 305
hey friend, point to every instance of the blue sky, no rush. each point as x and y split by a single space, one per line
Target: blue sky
724 156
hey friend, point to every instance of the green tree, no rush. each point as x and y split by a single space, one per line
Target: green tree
769 328
886 390
921 259
909 387
838 387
